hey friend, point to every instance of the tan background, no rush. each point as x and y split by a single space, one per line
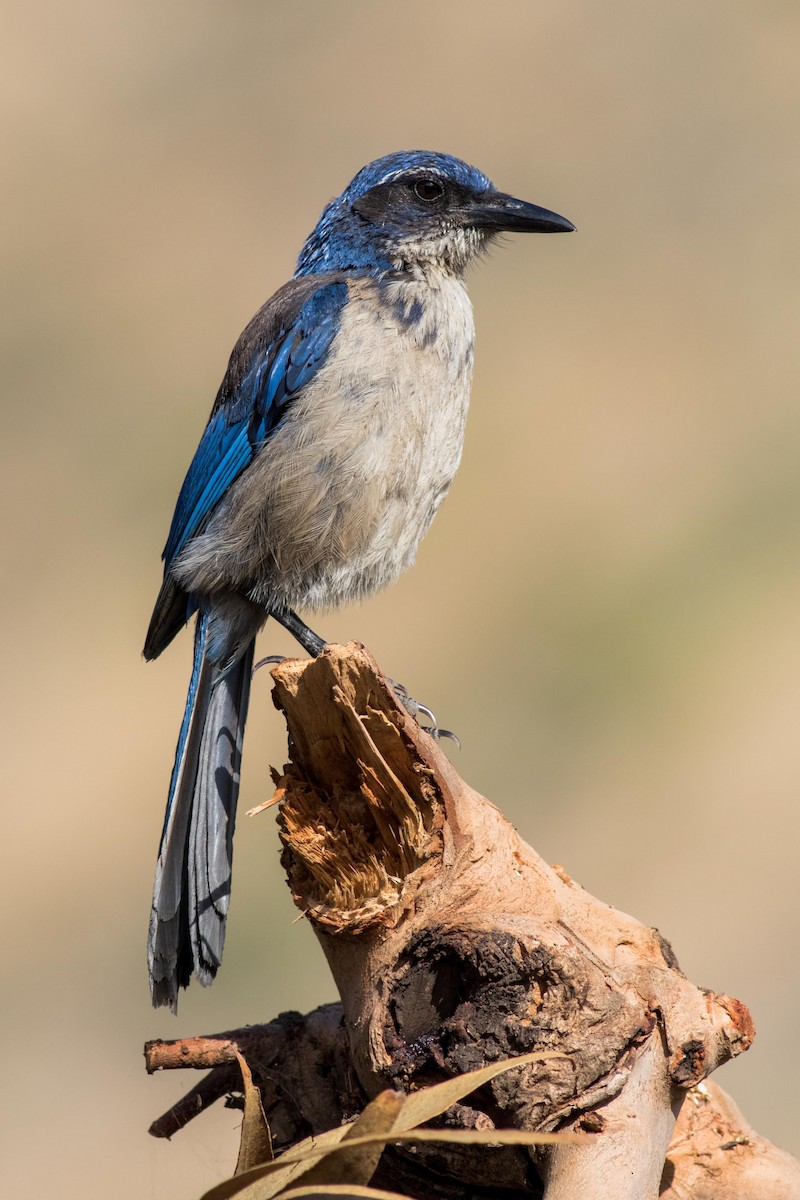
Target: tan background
608 607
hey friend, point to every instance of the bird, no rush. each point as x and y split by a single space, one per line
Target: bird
333 439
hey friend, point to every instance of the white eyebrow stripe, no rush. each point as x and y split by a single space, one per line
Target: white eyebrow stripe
396 174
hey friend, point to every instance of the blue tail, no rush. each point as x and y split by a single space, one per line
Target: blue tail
193 873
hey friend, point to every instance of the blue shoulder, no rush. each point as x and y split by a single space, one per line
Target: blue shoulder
278 354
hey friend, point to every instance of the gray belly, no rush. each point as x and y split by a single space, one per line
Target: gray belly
337 501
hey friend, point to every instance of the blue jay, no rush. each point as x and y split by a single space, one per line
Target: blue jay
334 437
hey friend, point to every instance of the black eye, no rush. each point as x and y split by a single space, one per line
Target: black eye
428 190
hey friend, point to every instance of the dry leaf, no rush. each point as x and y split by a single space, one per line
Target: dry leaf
467 1137
343 1191
249 1186
282 1170
255 1143
430 1102
271 1179
354 1160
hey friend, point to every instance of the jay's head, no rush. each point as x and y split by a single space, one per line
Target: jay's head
418 208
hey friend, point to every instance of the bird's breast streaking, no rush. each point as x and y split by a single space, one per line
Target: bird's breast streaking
337 500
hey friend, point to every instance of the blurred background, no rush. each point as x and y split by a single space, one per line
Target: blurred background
607 608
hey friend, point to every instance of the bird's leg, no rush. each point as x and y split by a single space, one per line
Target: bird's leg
311 642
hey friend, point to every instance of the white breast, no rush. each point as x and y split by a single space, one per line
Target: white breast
338 499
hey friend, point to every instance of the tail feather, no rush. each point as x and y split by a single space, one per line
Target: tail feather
192 883
172 610
214 814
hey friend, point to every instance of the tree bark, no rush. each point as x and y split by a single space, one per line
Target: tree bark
453 945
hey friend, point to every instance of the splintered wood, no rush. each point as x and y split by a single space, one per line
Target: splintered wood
358 822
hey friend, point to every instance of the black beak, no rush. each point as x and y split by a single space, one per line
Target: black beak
496 210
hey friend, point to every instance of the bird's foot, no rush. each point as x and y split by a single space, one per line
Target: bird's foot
415 710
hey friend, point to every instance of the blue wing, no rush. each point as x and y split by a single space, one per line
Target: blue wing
278 354
252 405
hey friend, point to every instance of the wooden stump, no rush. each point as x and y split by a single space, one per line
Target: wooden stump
453 945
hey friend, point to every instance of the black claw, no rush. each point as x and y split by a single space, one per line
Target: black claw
269 661
438 734
426 712
415 709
